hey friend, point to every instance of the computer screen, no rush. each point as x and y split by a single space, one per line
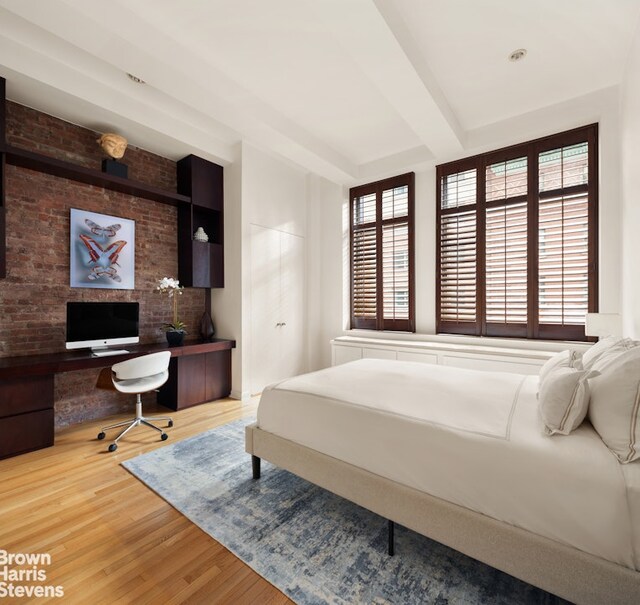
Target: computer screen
100 324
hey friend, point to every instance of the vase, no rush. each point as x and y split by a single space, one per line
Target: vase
175 338
207 329
200 235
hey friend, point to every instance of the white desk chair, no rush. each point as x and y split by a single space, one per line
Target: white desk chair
139 375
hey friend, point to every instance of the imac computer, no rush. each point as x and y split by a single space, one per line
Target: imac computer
100 325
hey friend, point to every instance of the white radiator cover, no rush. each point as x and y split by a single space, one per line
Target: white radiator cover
462 355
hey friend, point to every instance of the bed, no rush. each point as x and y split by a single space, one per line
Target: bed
460 456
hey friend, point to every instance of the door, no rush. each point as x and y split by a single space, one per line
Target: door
277 306
292 280
265 307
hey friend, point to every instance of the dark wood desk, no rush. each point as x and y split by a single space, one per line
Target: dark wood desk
198 372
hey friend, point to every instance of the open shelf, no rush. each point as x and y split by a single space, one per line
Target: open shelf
67 170
210 221
201 264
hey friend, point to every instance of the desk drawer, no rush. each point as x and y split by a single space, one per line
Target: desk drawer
26 432
26 394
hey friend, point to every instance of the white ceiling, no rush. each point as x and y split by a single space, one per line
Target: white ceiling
335 86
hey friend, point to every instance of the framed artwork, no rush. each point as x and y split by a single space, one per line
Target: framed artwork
102 251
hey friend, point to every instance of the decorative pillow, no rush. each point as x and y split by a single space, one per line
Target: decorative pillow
564 359
606 346
615 404
564 399
607 358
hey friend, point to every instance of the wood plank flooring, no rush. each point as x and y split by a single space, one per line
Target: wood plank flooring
111 539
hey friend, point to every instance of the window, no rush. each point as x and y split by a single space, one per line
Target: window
517 239
381 219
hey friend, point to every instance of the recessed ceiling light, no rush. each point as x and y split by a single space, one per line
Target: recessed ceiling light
518 55
135 79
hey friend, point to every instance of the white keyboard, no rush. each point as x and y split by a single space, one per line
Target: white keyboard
108 352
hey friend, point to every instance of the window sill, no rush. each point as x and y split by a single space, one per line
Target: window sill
486 344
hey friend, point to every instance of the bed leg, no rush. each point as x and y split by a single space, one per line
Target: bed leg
391 532
255 467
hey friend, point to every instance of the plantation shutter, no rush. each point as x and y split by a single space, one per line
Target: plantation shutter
517 239
395 257
563 239
382 255
458 253
364 264
506 274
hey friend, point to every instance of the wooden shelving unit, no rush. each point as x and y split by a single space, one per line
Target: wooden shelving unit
67 170
200 371
200 203
3 234
201 264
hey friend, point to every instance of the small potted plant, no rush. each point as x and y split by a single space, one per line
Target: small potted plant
175 330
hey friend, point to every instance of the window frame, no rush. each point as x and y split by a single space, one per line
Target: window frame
379 323
531 150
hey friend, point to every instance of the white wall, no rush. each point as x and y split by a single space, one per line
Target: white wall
264 190
602 107
274 192
268 191
274 195
226 312
630 145
327 250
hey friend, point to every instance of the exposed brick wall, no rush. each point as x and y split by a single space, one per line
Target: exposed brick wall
36 131
33 297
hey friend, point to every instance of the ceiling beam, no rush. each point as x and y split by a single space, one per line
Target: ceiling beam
175 72
375 37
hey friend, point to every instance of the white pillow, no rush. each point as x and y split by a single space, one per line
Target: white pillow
607 358
564 359
615 404
564 399
607 345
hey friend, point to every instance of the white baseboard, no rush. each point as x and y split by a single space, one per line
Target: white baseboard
240 395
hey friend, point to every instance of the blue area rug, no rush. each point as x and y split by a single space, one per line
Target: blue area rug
314 546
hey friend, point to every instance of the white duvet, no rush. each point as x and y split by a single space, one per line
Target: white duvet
469 437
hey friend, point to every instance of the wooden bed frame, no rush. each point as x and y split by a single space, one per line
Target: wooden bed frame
557 568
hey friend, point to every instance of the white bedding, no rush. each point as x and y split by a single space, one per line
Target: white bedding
469 437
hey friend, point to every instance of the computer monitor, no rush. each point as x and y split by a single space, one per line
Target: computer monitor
100 325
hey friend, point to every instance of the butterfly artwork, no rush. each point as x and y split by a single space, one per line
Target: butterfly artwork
101 256
97 272
105 232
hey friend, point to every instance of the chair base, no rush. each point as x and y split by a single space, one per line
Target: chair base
137 421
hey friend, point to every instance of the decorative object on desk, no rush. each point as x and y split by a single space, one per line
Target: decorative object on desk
102 251
175 330
175 338
114 145
200 235
207 329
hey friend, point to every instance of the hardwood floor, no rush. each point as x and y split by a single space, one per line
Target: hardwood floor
111 539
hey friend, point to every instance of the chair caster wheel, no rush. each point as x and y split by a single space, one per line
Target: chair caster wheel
101 435
113 447
170 423
164 436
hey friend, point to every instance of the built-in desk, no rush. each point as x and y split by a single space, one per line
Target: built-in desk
198 372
